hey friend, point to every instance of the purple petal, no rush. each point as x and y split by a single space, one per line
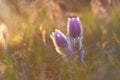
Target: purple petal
74 27
60 39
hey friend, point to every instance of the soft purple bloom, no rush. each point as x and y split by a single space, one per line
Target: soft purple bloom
74 27
59 38
67 46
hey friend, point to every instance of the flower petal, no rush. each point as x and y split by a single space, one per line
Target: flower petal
74 27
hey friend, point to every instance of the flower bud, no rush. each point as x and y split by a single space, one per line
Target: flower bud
59 38
74 27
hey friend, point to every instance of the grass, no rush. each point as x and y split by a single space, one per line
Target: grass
32 55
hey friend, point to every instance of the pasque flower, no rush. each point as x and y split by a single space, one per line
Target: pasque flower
59 38
61 44
74 28
70 45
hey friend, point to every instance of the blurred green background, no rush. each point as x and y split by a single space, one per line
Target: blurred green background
27 52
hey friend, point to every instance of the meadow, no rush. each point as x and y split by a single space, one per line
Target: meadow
29 53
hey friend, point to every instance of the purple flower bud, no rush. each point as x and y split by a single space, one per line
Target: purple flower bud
74 27
59 39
